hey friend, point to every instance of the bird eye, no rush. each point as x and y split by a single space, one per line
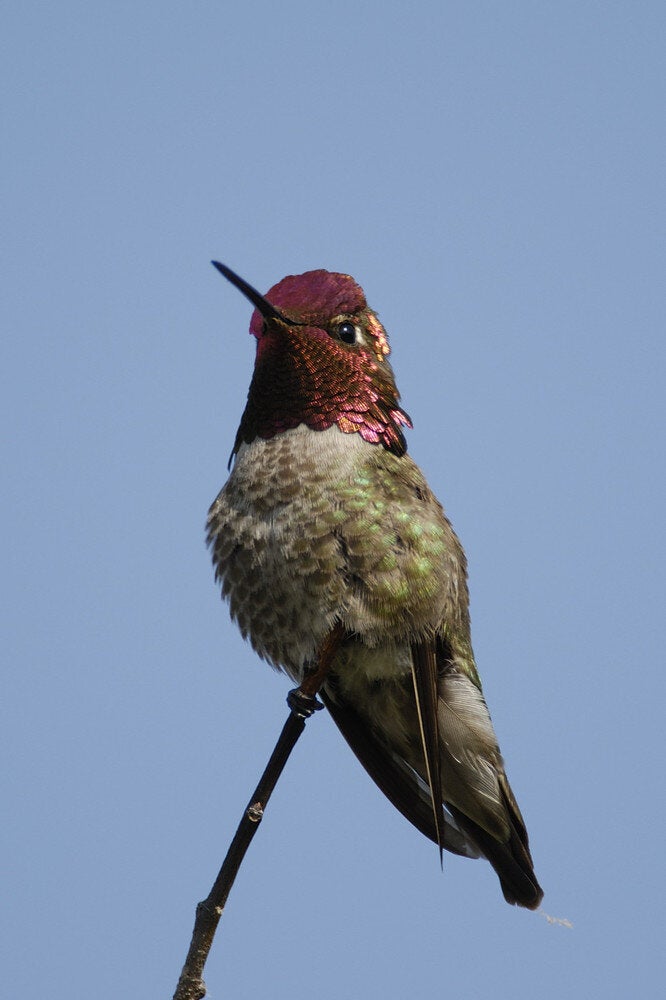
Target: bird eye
347 332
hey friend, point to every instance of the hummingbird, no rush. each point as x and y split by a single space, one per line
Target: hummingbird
327 528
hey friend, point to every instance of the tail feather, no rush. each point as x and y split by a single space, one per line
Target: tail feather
475 787
511 860
436 734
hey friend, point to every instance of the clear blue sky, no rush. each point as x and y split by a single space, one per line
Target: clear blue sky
493 175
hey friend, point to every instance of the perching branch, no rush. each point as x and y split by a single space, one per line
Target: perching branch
302 702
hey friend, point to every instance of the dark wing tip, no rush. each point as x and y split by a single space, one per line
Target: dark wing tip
511 860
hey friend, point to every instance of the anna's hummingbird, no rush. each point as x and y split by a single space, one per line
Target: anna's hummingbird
326 524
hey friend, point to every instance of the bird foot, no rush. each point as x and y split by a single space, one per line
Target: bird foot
302 705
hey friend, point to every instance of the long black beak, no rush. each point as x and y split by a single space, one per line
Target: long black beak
263 305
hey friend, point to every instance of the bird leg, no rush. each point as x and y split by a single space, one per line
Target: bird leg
302 700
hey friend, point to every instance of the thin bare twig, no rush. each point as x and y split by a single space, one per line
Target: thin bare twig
302 703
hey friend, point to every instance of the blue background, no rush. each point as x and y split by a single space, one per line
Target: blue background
493 175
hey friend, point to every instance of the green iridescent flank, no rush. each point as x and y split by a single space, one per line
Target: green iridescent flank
395 533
